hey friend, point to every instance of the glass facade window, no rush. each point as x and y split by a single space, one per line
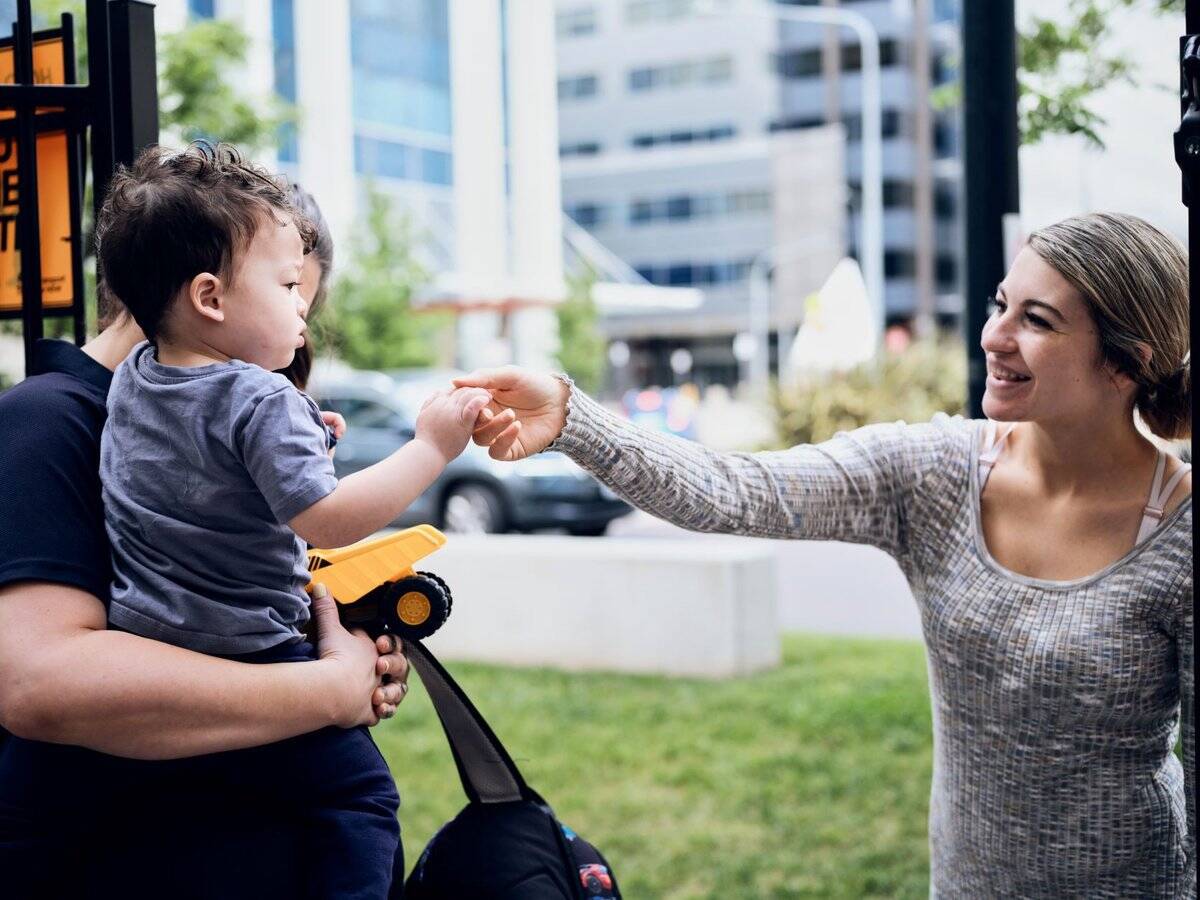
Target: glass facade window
684 208
645 12
283 43
899 264
578 87
201 9
589 215
405 162
685 274
682 74
580 148
646 141
571 23
805 62
400 58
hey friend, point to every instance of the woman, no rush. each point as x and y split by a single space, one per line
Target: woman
1049 550
69 687
313 289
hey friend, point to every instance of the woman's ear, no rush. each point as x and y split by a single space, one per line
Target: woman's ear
206 296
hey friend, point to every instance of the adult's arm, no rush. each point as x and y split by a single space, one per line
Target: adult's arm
852 487
1186 647
65 679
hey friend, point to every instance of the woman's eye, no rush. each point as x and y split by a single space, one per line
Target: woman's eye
995 306
1037 321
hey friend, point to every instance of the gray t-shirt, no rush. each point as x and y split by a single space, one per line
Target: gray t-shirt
202 469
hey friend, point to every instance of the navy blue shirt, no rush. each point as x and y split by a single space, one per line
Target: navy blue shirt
177 840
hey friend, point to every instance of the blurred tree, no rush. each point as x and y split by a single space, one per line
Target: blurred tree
371 323
925 378
1061 65
581 346
197 97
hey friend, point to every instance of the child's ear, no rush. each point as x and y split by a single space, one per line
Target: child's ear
206 295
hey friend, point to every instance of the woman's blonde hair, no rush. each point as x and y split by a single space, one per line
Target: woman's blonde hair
1134 280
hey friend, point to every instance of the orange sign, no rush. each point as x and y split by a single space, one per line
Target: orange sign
54 207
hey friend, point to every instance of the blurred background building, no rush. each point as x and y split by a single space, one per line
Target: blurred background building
693 141
448 107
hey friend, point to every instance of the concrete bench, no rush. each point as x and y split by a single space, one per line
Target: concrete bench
700 609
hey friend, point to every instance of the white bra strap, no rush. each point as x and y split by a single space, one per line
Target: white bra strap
1152 513
993 444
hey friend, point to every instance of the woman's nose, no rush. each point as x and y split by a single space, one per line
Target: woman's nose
997 336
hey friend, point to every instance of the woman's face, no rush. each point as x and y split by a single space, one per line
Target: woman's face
1043 351
310 280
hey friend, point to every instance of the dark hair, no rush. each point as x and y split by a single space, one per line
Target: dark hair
1134 279
172 215
300 368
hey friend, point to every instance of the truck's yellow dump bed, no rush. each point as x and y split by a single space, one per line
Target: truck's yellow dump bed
350 572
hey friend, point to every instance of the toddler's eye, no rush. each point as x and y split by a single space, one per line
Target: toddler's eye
292 285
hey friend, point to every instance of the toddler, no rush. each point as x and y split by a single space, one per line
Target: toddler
216 471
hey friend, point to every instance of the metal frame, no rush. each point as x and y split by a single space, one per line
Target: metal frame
119 105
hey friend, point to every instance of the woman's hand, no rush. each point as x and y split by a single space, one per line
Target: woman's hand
527 412
369 680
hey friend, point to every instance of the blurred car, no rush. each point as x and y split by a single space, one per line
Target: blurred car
475 494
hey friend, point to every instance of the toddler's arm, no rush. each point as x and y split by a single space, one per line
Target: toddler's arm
368 500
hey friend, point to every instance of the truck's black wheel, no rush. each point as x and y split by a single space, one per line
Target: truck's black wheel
415 607
441 582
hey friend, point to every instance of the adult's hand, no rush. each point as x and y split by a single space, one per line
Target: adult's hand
527 412
370 678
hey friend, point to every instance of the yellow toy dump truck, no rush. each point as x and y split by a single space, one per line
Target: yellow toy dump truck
378 590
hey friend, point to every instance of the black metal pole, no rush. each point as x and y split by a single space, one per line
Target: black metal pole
132 68
28 223
991 188
99 83
1187 139
74 189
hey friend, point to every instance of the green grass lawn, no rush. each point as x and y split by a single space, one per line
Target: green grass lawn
808 781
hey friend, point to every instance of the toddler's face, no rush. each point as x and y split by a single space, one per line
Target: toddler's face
264 314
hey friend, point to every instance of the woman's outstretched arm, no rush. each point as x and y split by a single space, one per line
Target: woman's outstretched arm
850 488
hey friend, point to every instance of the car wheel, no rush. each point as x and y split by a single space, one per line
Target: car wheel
588 530
472 509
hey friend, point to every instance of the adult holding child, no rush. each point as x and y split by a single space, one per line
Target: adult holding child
1049 549
78 697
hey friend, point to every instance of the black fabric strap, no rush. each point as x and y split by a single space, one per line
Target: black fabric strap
487 771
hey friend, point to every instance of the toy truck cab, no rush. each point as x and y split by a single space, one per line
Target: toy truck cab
376 587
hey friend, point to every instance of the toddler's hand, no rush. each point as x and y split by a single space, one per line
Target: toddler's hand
448 417
335 422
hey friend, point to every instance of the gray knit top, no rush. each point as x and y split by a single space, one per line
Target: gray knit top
1056 704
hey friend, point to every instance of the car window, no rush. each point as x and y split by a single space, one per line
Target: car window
360 413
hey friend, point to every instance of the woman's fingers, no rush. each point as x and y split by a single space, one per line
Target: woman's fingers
504 447
494 426
503 378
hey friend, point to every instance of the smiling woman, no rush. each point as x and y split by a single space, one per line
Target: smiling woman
1049 551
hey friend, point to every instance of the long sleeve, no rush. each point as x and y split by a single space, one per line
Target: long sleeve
1187 715
853 487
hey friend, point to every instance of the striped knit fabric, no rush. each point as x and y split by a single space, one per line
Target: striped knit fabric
1056 704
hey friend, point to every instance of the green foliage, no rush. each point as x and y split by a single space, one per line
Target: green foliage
810 780
581 346
196 96
1062 65
372 322
928 377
